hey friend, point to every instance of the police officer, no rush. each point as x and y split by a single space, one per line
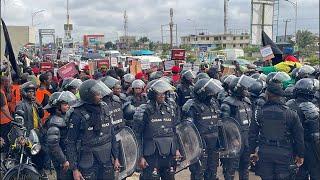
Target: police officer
201 76
255 91
91 145
155 124
308 112
277 147
226 80
59 104
138 97
185 88
115 105
238 106
204 111
127 81
71 84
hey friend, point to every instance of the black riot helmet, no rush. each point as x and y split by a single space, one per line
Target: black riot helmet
69 84
187 77
205 89
255 75
275 83
240 85
201 76
91 88
226 80
25 87
288 92
270 76
128 78
304 72
158 86
155 75
61 97
255 89
306 87
110 81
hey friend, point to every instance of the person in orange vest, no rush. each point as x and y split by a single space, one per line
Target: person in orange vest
5 116
43 94
15 93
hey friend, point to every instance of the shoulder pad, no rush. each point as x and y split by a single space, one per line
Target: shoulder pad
291 103
309 110
139 113
229 100
186 107
247 100
122 96
57 121
116 98
53 135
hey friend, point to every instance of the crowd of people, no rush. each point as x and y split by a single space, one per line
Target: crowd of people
77 119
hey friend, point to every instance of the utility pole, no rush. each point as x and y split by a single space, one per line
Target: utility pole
125 26
225 22
285 29
171 27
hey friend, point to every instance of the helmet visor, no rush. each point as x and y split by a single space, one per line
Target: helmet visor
281 77
75 83
306 69
101 89
212 87
246 81
160 86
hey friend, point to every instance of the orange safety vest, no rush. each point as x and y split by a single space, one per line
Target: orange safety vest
3 118
40 94
16 97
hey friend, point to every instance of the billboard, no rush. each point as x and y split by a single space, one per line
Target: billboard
261 19
178 54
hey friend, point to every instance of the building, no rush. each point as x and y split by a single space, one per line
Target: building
19 36
225 41
93 41
283 39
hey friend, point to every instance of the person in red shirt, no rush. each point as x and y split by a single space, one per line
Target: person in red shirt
175 75
288 55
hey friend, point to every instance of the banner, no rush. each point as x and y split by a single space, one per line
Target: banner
187 66
46 66
135 67
68 70
145 64
266 53
178 54
103 62
114 62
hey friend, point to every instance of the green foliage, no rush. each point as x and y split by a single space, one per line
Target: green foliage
313 60
143 39
191 57
251 49
186 47
110 45
305 38
219 47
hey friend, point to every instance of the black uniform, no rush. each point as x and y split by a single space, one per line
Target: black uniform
205 117
136 101
156 131
115 111
276 146
309 117
91 141
240 109
184 93
56 141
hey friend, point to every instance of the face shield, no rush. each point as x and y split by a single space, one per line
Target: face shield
245 81
110 81
280 77
100 89
212 87
160 86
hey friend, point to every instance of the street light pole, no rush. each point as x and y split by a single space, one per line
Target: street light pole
295 4
34 14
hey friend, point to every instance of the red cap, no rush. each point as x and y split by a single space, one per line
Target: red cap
175 69
139 75
86 67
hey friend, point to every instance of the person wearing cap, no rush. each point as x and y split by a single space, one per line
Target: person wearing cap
277 133
185 88
288 55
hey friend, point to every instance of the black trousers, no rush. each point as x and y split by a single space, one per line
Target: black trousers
98 171
311 165
4 130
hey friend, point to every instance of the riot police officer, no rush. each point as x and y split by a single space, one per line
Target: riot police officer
114 103
155 124
185 88
127 81
91 144
57 128
71 84
226 80
308 112
255 91
277 147
238 106
204 111
138 97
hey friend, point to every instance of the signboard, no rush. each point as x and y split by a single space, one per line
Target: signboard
203 48
266 53
114 62
135 67
68 70
187 66
46 66
145 64
196 68
103 62
168 65
178 54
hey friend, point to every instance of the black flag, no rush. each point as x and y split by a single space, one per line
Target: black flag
275 49
9 50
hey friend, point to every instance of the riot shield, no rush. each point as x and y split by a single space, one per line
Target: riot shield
129 152
190 143
229 138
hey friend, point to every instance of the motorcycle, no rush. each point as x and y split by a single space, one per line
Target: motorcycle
18 164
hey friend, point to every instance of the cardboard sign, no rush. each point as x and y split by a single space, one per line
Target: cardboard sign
266 53
187 66
145 64
46 66
113 62
135 67
103 62
68 70
178 54
196 68
168 65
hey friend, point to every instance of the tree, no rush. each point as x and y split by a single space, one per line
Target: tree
110 45
143 39
152 46
304 38
186 47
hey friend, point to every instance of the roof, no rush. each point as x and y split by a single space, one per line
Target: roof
141 52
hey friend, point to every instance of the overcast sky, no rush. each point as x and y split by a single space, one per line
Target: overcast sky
146 16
